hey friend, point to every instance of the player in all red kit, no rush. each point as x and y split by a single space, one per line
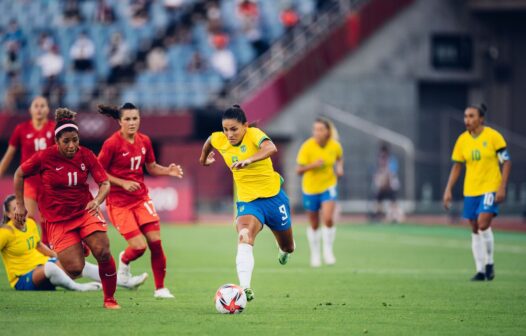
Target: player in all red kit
31 137
131 210
72 214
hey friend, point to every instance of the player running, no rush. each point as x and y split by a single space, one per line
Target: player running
130 208
260 199
320 161
481 149
72 214
30 137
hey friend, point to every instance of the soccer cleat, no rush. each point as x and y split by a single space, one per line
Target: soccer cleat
111 304
124 272
315 260
328 257
136 281
249 293
490 272
479 277
90 286
163 293
283 257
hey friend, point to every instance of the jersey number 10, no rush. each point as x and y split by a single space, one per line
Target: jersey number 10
475 155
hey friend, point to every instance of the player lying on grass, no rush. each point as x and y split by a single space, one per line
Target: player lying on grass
260 199
481 149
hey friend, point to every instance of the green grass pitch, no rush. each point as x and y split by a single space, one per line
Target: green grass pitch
389 280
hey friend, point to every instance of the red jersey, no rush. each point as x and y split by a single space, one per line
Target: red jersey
125 160
65 191
30 140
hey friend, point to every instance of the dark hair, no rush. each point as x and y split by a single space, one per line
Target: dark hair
235 112
481 108
115 112
323 121
5 209
64 116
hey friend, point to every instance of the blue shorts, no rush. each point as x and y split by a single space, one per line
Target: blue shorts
272 211
475 205
312 202
25 282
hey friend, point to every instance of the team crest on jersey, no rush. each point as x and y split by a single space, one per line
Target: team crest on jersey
82 166
143 151
48 134
243 148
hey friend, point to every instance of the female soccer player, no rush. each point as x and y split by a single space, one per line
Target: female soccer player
72 214
481 149
31 136
260 199
320 161
130 208
29 264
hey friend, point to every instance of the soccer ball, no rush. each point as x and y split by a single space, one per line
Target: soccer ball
230 299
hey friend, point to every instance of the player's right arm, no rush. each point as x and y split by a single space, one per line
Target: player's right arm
105 155
7 159
207 154
456 169
303 161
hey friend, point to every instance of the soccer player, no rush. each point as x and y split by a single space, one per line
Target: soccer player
72 214
260 199
130 208
30 137
29 264
320 161
481 149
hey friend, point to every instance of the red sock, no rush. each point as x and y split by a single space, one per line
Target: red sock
131 254
158 263
108 278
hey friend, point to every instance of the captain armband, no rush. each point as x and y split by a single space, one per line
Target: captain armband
503 155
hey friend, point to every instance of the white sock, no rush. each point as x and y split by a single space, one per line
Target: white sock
489 244
59 278
479 255
328 234
91 271
245 264
314 237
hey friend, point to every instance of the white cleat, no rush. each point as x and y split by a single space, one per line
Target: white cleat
315 260
124 272
136 281
328 258
89 287
163 293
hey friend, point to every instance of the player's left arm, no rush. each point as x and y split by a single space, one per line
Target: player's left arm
101 178
46 250
339 162
172 169
504 159
266 149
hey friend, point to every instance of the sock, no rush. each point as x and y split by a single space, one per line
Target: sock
91 271
489 244
58 277
244 264
328 234
108 278
158 263
314 237
477 247
131 254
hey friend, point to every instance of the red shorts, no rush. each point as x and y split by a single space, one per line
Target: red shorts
62 235
32 187
134 220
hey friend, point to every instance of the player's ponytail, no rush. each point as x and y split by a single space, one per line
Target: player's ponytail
5 208
333 132
114 111
65 119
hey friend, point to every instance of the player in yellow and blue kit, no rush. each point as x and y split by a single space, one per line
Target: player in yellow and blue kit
29 264
320 161
482 150
260 199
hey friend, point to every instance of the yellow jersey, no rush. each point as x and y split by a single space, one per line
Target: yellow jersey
257 180
318 180
18 250
482 164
